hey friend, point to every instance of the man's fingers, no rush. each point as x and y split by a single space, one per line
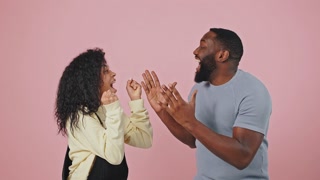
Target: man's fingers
145 88
150 79
146 81
176 93
171 86
193 97
162 104
166 99
165 106
172 100
156 79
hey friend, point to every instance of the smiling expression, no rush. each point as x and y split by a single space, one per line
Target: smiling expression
205 55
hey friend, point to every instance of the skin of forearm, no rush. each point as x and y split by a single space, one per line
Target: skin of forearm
177 130
227 148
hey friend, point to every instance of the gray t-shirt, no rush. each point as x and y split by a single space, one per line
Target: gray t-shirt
241 102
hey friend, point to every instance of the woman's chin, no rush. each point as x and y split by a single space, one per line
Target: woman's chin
113 90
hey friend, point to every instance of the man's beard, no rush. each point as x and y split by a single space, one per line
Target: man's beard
207 66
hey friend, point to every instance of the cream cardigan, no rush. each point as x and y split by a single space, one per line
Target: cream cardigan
90 138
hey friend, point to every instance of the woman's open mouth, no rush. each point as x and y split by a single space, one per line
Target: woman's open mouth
111 85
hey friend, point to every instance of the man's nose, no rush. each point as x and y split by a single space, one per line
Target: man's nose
195 52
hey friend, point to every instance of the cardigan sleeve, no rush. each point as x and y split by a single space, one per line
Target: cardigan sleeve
138 129
107 143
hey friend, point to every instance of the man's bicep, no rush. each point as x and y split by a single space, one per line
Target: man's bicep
254 113
248 138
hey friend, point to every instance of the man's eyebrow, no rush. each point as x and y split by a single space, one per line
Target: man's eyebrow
202 40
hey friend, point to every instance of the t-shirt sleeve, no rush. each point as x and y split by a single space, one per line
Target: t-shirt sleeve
254 112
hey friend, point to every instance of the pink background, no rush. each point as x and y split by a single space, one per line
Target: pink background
39 38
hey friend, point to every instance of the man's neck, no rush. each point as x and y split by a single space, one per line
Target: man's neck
222 76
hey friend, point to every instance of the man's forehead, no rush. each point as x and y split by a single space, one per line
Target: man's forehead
208 35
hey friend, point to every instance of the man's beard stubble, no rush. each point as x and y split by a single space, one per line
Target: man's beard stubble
207 66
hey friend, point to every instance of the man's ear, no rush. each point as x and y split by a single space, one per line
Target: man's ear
222 55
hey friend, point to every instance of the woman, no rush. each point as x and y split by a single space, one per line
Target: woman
89 113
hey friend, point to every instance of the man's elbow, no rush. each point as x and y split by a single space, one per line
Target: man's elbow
192 146
191 142
241 166
243 163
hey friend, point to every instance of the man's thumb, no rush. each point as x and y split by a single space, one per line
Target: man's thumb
193 97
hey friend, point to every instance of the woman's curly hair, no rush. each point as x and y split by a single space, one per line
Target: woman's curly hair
79 88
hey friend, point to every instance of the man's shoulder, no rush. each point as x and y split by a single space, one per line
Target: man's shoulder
248 80
248 85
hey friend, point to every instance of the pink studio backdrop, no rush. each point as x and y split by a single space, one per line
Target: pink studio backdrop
39 38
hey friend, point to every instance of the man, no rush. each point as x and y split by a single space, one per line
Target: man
227 117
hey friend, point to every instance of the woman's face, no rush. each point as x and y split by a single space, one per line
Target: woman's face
107 77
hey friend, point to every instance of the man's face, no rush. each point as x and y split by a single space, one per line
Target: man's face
206 66
205 54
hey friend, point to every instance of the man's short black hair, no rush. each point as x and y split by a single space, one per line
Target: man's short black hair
230 41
